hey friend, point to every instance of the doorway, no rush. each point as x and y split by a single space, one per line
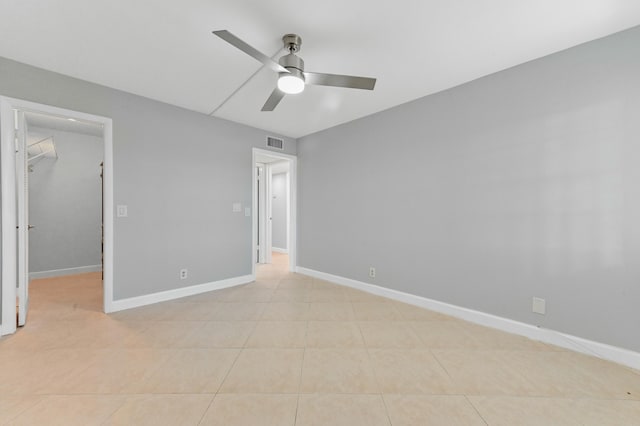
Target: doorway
274 204
64 214
22 152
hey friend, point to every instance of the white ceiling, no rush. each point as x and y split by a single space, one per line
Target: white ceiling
164 50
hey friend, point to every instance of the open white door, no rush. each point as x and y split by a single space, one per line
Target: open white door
268 213
8 206
22 190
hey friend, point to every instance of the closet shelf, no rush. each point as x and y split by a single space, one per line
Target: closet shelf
44 148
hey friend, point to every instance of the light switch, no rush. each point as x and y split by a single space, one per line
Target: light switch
237 207
122 211
247 211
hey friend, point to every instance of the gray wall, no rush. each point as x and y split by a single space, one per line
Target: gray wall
523 183
65 203
279 211
178 171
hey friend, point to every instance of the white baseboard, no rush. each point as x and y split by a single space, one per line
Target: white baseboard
65 271
163 296
567 341
280 250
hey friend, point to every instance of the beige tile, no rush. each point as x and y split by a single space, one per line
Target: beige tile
113 371
37 336
13 405
251 409
108 334
70 410
362 296
155 312
218 334
334 334
44 372
265 283
265 371
286 311
342 410
188 311
413 371
375 311
443 334
156 410
73 359
208 297
454 410
489 338
337 371
486 372
456 334
160 334
509 411
249 294
237 311
190 371
318 284
328 295
295 284
416 313
331 311
571 374
385 334
291 295
278 334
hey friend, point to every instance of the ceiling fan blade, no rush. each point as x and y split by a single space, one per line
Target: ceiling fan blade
273 101
236 42
336 80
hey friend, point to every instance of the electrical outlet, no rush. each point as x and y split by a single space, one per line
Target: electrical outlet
121 211
539 306
372 272
183 274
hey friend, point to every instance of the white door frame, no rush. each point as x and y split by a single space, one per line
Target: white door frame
261 212
8 197
293 187
22 188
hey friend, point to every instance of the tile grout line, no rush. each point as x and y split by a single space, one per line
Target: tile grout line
439 362
222 381
375 374
476 409
304 352
124 401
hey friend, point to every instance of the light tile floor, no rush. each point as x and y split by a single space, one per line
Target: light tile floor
285 350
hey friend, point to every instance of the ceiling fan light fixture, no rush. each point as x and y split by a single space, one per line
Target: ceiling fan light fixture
291 83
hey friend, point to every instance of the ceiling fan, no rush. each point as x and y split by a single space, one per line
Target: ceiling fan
290 68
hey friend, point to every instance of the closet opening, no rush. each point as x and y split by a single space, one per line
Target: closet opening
57 219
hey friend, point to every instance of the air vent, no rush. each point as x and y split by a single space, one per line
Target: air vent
275 143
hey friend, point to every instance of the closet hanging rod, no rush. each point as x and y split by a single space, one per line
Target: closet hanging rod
42 140
40 155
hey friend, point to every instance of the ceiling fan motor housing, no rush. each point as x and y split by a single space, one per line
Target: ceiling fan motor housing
294 64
